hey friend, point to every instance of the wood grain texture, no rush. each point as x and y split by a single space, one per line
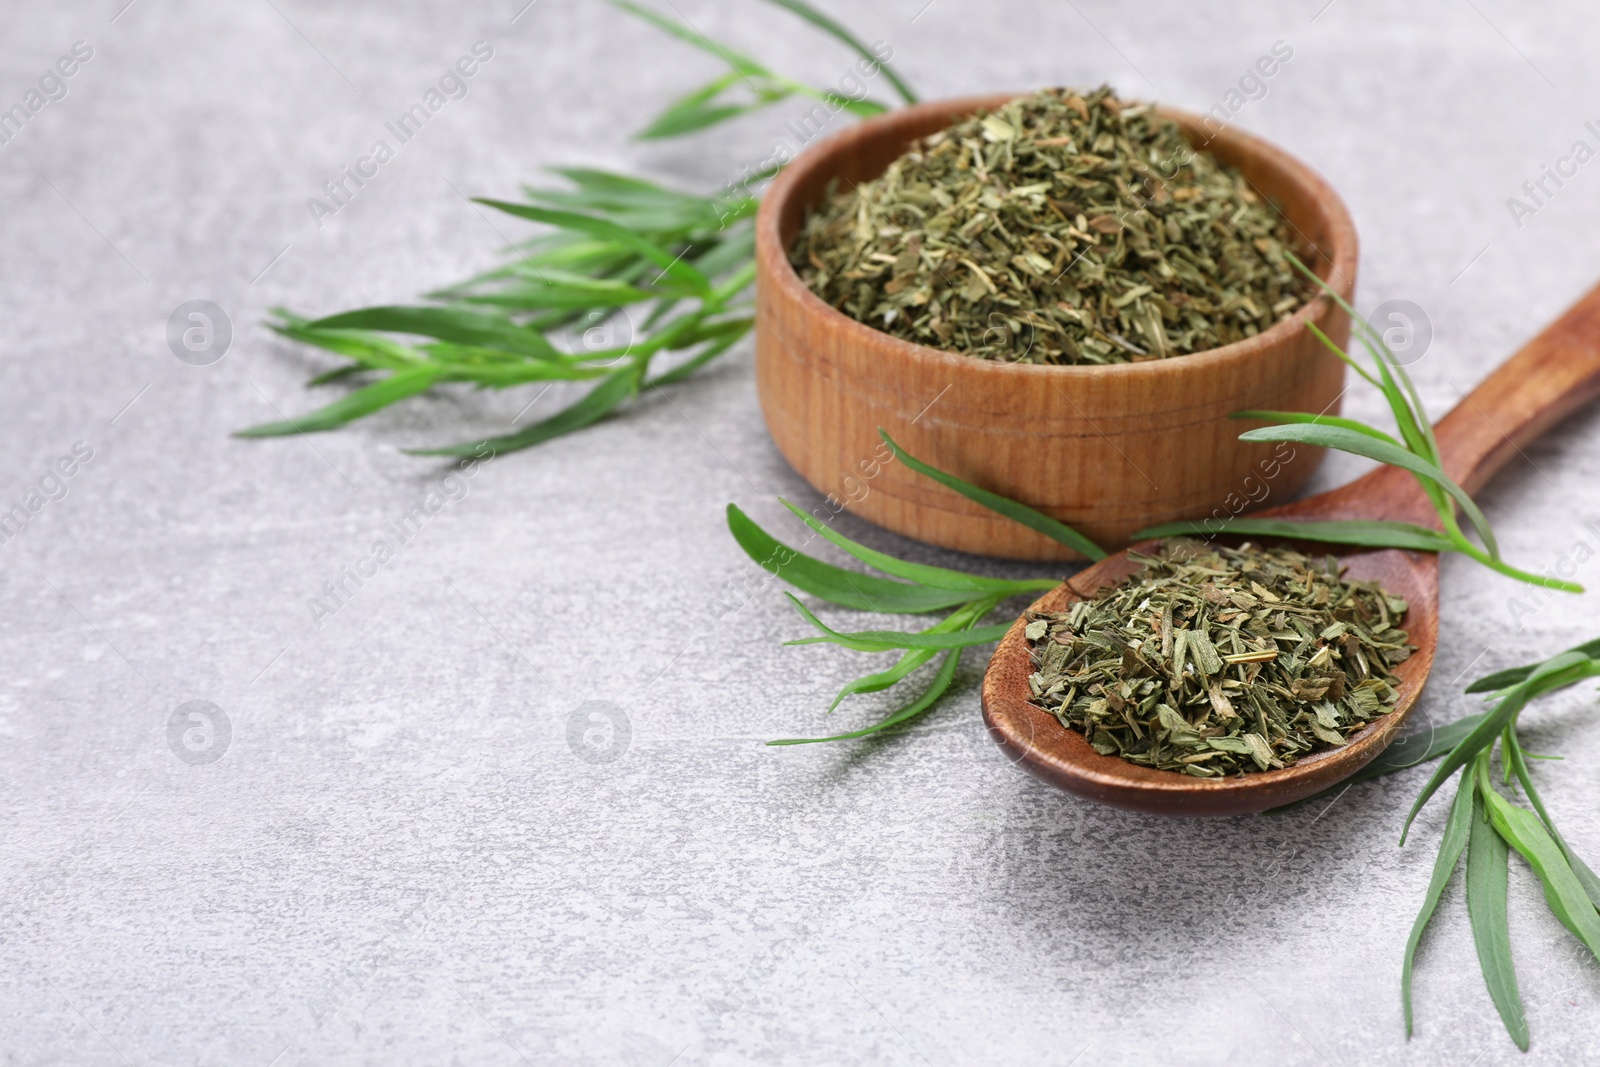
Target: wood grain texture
1108 450
1554 375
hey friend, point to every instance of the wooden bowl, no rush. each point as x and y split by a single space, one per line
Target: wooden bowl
1107 449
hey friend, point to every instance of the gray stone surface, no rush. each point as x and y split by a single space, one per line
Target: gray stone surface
399 856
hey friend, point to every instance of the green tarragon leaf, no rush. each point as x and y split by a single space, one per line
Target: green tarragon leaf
863 592
1487 880
938 577
1054 529
892 640
363 401
1456 831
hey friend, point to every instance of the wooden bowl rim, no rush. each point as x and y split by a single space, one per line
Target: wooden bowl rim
773 266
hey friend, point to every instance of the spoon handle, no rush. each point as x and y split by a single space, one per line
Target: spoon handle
1551 377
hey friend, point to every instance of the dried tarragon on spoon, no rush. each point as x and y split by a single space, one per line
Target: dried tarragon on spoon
1215 660
1059 228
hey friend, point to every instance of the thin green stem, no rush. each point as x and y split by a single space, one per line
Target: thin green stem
1494 563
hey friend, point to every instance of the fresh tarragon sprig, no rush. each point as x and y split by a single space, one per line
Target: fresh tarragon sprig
749 85
1415 450
619 243
667 273
1486 826
900 588
905 588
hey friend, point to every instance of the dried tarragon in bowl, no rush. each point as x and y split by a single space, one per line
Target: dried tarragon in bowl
1215 661
1060 228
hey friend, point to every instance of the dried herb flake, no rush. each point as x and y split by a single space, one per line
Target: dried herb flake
1059 228
1214 661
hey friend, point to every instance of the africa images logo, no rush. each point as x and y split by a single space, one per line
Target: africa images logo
52 87
452 85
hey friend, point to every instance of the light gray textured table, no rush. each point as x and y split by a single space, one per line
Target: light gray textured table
399 857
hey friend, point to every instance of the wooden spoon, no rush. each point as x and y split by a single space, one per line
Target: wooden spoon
1554 375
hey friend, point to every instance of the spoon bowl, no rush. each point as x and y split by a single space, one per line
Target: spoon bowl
1063 757
1551 377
